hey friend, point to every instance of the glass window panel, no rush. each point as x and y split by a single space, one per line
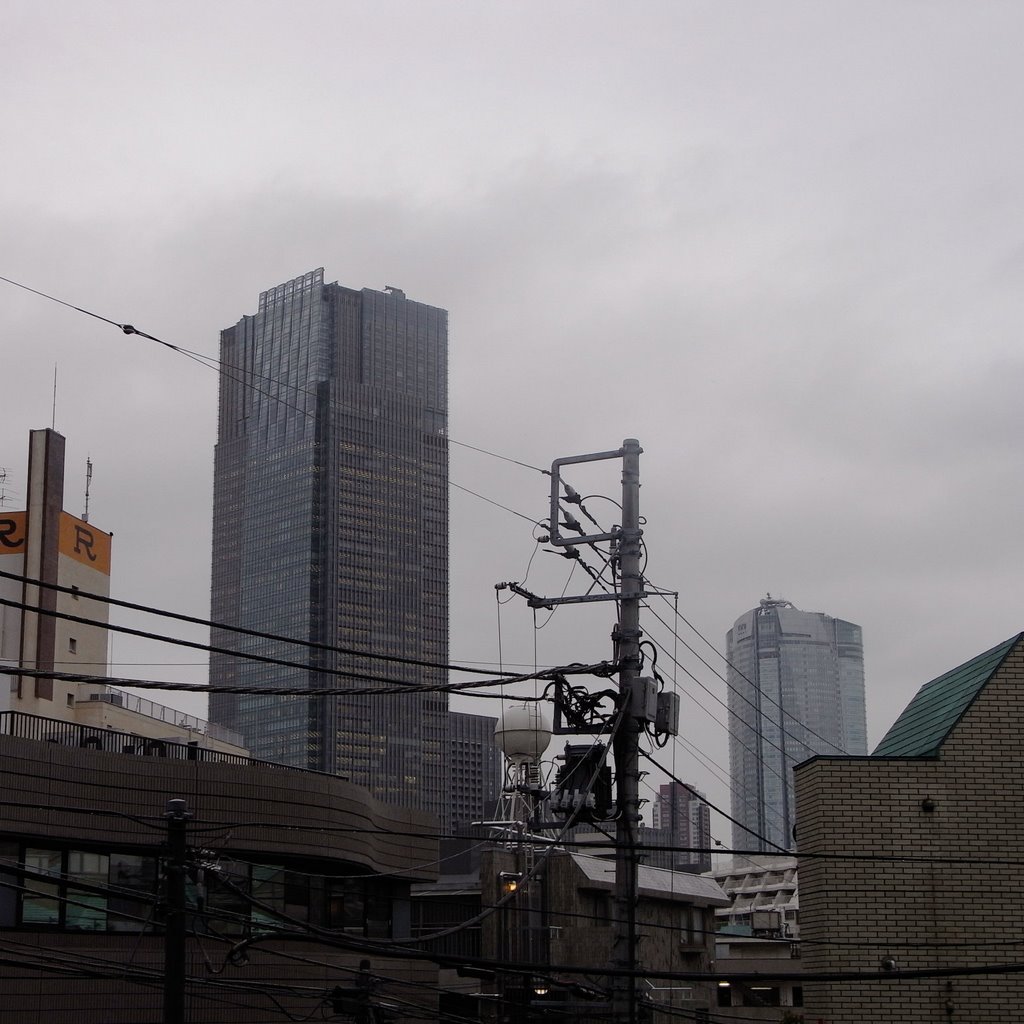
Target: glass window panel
346 906
378 917
87 911
40 903
135 874
225 900
268 886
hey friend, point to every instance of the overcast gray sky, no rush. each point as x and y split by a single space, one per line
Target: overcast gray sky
779 243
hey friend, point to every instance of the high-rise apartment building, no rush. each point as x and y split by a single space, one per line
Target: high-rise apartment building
475 766
682 811
796 688
330 529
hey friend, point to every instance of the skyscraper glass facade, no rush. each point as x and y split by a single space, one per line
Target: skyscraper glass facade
796 688
330 527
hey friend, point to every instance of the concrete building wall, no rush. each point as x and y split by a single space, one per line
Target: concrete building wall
954 911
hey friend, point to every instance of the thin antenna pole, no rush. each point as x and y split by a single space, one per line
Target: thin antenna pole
88 484
53 415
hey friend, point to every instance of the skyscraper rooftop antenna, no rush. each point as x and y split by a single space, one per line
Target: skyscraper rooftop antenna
88 484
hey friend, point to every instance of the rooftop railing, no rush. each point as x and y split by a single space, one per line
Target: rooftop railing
150 708
71 734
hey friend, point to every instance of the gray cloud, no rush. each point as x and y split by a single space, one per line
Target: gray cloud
779 245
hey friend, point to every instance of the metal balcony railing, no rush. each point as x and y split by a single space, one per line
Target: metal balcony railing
70 734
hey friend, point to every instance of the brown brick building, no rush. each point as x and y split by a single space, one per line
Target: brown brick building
943 791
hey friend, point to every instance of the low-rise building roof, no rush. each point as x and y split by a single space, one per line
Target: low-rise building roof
656 881
928 719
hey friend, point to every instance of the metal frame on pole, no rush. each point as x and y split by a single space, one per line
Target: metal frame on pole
636 693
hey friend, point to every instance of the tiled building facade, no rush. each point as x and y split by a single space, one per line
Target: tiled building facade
909 858
294 864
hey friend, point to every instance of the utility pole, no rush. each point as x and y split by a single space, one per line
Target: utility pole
641 706
176 816
627 739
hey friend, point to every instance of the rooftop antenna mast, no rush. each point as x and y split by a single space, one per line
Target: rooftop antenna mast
53 415
88 485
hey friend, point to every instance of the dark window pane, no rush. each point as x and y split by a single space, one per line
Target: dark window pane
86 911
40 903
130 873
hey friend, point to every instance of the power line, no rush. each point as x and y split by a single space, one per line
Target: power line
682 668
466 689
783 712
757 730
724 814
207 913
229 371
240 630
264 659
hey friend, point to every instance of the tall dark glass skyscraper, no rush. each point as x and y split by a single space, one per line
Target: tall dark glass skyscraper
330 526
796 688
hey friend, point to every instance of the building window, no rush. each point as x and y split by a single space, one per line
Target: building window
70 889
135 877
73 645
86 911
355 907
40 901
763 995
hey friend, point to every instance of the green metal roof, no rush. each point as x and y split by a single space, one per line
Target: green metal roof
928 719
